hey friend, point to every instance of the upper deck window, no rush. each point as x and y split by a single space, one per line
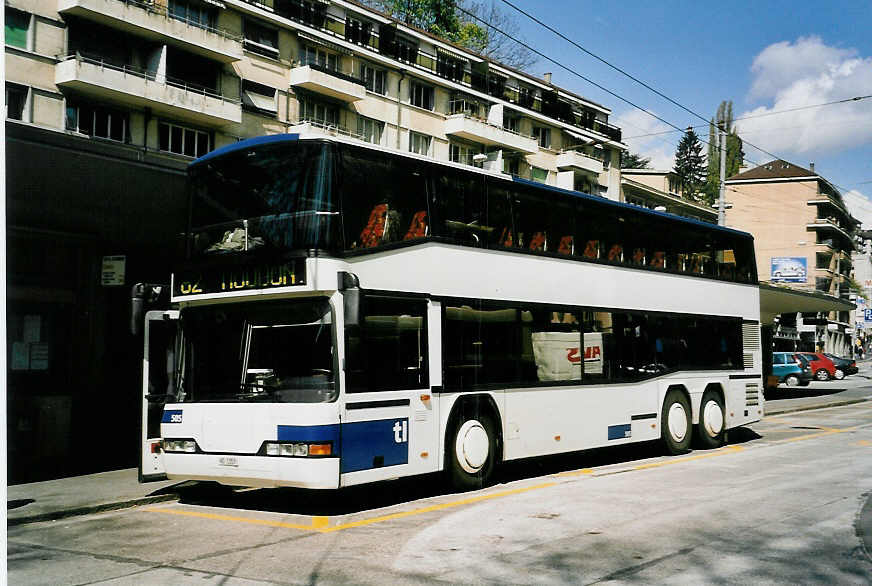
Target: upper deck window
275 196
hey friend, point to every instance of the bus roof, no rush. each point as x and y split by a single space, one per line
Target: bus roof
278 138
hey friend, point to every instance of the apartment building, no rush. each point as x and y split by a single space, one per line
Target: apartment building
107 102
661 190
804 238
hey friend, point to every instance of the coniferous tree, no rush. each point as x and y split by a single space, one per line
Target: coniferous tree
633 161
734 152
690 165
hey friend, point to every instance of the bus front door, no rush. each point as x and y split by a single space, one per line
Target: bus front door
158 387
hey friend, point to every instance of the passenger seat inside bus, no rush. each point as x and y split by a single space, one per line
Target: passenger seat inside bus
382 226
419 227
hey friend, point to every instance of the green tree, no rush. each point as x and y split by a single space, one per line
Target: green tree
459 23
633 161
734 151
690 165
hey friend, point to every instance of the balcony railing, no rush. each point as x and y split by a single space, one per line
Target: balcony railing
162 10
135 71
478 130
333 71
326 128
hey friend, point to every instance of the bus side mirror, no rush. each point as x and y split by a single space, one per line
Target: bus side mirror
141 294
349 284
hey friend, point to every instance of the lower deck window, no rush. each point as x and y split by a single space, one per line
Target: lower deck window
388 349
488 343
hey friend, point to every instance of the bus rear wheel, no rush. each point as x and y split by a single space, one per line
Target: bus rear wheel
675 423
472 452
711 429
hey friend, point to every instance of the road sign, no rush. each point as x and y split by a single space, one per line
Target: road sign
867 314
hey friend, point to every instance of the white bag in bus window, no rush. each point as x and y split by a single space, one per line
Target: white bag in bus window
558 356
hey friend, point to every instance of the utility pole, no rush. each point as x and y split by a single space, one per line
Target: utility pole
722 218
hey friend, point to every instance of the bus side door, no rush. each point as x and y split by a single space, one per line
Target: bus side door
390 425
158 386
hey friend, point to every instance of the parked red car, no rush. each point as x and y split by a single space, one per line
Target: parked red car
821 366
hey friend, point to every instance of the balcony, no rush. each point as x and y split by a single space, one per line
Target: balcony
828 223
316 129
153 21
569 160
328 82
474 129
134 87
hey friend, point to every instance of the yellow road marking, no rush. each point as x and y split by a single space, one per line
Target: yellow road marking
320 524
475 499
829 431
575 472
863 443
217 517
721 452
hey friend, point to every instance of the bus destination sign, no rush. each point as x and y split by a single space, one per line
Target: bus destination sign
287 273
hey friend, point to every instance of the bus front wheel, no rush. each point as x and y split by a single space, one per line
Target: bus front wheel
711 430
675 423
472 452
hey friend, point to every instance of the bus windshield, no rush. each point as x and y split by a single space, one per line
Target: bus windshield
275 352
275 196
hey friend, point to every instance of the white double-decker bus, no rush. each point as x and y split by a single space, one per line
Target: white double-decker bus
349 315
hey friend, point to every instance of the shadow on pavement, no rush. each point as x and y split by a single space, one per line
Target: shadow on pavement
18 503
801 392
394 492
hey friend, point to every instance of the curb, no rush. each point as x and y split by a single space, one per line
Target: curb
816 406
90 509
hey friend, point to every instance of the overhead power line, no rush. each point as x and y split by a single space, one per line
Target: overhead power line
618 69
773 113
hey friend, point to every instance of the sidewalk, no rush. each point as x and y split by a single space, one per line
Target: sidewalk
83 495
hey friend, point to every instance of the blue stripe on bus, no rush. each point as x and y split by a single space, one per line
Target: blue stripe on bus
374 444
361 445
619 431
171 416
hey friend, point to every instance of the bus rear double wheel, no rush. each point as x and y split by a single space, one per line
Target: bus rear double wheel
472 450
675 422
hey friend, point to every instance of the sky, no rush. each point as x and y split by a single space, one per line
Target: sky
766 57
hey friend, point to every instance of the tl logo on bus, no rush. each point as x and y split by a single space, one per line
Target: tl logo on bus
401 432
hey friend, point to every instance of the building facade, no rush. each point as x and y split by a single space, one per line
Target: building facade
661 190
804 238
107 102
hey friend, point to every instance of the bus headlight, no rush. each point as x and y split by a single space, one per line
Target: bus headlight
179 445
297 450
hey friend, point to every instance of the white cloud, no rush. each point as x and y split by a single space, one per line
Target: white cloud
860 207
658 147
808 72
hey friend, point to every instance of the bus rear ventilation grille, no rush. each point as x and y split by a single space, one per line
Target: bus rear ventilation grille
750 337
752 395
748 360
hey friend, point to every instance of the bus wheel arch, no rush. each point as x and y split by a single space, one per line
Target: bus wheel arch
473 442
711 430
676 424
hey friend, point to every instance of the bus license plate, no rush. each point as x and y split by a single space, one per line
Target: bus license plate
228 461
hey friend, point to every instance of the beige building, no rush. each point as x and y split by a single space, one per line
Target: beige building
661 190
186 76
109 100
804 238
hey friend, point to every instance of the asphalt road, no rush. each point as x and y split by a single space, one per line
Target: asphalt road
782 503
